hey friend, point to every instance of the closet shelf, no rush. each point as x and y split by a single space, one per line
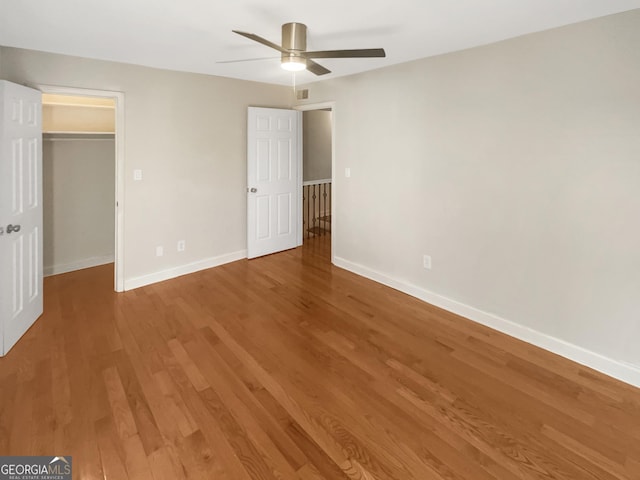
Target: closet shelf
77 105
56 136
67 132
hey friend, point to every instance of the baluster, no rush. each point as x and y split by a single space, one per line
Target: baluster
314 210
324 209
304 199
330 211
308 211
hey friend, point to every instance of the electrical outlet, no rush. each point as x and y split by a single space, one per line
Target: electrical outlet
426 262
137 175
159 251
347 172
181 245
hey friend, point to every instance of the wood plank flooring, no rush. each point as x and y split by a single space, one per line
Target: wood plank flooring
286 367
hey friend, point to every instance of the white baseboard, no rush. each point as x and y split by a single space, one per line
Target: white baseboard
137 282
624 372
78 265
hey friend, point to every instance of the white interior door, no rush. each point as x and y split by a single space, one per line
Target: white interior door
274 146
20 211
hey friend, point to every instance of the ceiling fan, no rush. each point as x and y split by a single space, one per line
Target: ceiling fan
295 57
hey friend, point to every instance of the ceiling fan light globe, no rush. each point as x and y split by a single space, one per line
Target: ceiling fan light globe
295 64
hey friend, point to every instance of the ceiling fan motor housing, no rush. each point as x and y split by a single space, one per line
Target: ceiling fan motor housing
294 39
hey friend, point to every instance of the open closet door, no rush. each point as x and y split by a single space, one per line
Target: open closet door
20 211
274 146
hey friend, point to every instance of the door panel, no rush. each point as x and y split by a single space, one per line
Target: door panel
284 214
20 211
284 159
273 154
263 221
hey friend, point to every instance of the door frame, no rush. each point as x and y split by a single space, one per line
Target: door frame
321 106
118 97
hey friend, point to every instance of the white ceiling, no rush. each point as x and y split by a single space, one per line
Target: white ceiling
192 35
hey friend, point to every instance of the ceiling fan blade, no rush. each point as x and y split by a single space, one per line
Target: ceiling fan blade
358 53
247 60
316 68
264 41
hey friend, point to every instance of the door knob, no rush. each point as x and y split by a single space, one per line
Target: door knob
12 228
253 190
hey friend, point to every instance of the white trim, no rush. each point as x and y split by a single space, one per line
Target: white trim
299 154
323 106
119 275
316 182
625 372
78 265
315 106
174 272
120 186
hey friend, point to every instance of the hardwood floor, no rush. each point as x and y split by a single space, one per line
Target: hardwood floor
286 367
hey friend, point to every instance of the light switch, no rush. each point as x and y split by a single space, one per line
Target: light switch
347 172
137 175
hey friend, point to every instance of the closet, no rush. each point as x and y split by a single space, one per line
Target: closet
78 157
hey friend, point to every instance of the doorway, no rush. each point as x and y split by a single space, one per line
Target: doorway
82 166
318 197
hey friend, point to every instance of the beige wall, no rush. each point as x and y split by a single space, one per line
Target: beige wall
516 166
79 192
316 144
187 133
